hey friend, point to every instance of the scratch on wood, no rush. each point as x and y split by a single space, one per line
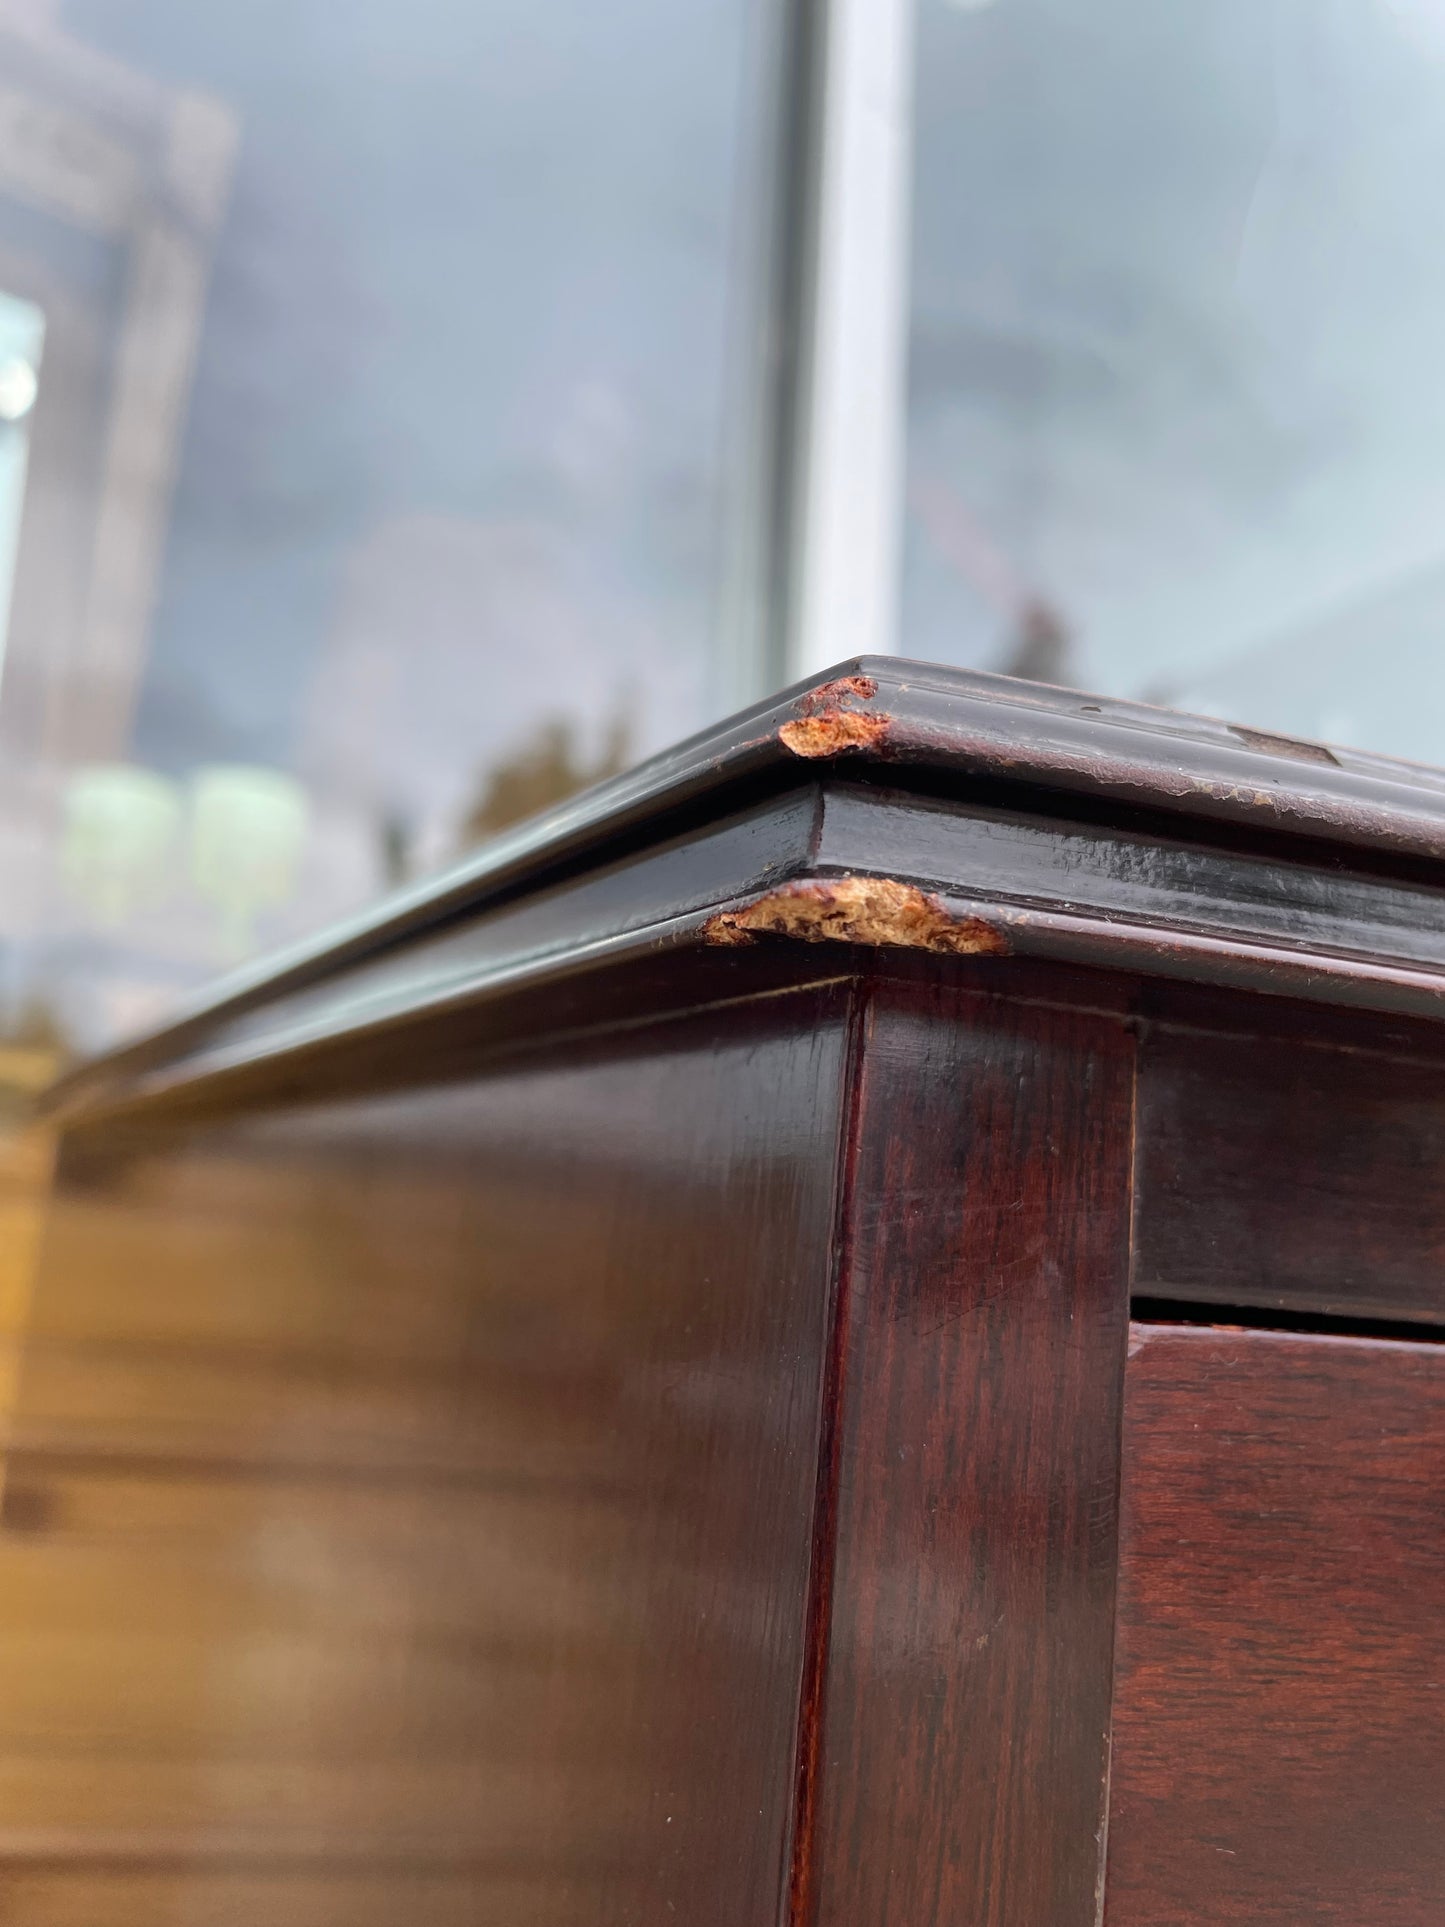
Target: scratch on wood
827 724
1292 746
868 910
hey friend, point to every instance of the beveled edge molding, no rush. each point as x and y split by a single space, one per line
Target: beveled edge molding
858 869
889 720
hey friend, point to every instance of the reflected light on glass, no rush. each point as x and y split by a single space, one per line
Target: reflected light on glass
120 826
248 830
18 385
22 331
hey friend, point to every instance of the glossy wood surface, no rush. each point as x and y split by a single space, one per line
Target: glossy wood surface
1277 1172
409 1515
1132 898
1279 1717
1330 837
471 1463
956 1772
551 931
1030 861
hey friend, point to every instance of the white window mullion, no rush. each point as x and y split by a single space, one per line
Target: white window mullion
846 516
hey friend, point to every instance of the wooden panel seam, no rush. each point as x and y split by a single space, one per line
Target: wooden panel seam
797 1889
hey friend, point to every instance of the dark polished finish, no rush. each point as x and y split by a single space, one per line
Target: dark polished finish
1082 892
625 912
1279 1742
1078 765
1164 904
423 1487
594 1395
959 1768
1310 1177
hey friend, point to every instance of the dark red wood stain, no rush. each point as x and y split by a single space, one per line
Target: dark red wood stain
1276 1172
411 1497
961 1748
1279 1723
473 1461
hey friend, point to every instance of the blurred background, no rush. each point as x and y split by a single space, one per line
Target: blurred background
403 409
412 411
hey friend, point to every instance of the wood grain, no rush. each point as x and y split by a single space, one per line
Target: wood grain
1279 1721
472 1463
412 1511
957 1772
1279 1173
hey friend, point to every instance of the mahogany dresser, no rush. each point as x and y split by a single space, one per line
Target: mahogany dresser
845 1332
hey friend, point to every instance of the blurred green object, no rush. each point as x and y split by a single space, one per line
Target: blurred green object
248 830
120 832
